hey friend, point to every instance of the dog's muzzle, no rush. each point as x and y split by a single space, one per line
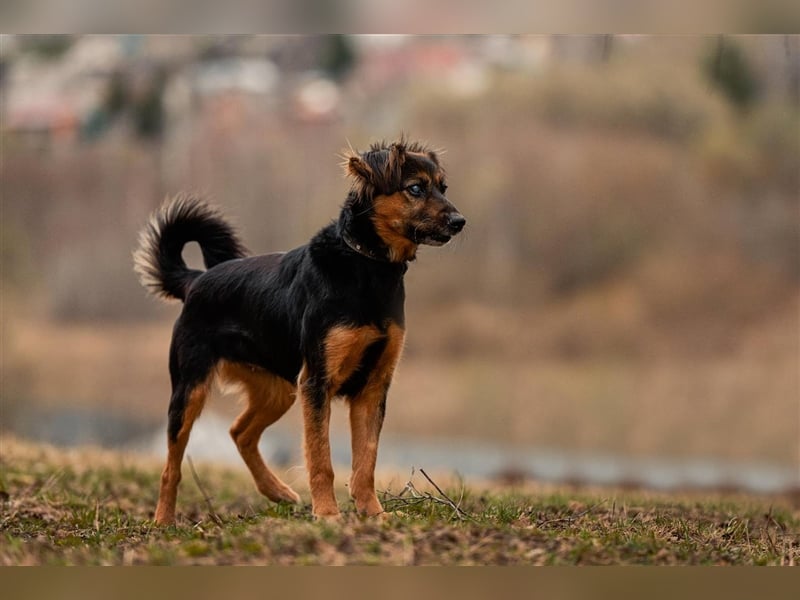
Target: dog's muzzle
454 224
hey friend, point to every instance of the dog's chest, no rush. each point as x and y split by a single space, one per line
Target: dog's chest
358 357
366 296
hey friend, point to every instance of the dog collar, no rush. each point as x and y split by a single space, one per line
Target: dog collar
359 248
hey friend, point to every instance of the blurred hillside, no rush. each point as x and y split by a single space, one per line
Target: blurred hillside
628 198
585 164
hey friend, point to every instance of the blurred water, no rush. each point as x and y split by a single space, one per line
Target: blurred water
282 447
74 426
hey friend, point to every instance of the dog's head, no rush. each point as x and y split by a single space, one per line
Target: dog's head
401 187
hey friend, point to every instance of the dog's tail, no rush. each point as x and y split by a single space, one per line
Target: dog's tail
185 218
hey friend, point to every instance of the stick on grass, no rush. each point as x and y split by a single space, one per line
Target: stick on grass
211 512
416 497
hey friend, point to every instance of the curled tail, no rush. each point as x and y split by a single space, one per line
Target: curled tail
185 218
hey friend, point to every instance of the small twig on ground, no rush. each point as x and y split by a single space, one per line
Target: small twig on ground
772 543
211 512
416 497
570 518
445 496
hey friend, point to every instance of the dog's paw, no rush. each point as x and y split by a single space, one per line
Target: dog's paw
395 514
288 495
370 507
282 493
331 518
164 517
383 517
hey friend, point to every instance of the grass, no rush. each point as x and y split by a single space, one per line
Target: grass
88 507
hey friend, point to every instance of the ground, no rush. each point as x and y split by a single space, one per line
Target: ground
91 507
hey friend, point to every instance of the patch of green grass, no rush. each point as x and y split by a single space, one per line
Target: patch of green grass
196 548
57 510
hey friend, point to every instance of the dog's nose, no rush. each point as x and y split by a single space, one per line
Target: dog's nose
456 222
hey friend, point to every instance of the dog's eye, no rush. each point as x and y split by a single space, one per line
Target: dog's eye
443 187
416 190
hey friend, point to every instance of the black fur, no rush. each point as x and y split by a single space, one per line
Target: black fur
185 218
273 311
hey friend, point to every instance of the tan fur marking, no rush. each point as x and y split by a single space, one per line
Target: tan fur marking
317 447
366 419
356 167
268 398
390 218
344 347
422 177
171 475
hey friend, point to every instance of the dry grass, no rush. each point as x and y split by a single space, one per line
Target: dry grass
92 507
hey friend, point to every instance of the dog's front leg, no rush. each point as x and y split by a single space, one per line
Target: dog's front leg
366 419
367 410
316 423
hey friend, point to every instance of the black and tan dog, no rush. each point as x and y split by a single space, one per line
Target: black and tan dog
321 321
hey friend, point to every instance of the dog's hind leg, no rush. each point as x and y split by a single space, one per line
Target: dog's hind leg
191 371
185 406
268 398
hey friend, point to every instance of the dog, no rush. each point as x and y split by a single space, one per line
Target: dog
322 321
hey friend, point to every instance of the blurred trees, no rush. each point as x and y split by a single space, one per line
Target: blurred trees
47 46
337 57
729 69
605 197
138 97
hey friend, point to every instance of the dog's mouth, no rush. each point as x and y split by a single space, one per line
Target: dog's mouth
435 239
441 233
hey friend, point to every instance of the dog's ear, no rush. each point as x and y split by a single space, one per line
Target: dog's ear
379 169
357 168
395 162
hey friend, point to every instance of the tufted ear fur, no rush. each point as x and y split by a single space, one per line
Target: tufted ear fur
394 163
379 170
357 168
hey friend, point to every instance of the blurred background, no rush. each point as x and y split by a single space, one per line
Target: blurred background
622 307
